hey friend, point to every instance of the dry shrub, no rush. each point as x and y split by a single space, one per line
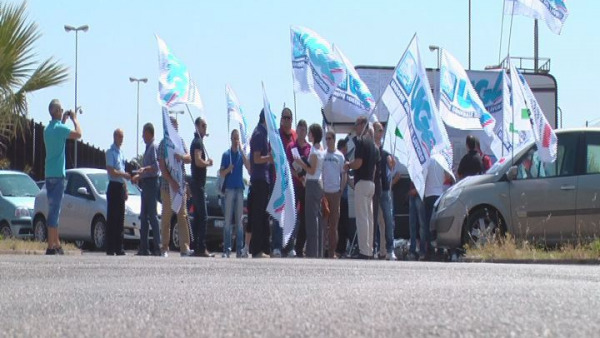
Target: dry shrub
509 248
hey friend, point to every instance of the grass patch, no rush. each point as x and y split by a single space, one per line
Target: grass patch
11 244
511 249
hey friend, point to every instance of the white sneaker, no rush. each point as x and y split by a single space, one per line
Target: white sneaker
292 254
165 254
391 256
276 253
244 253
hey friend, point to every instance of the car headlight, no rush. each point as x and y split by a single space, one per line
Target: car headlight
22 212
129 211
449 197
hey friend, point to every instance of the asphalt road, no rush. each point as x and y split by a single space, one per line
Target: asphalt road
99 296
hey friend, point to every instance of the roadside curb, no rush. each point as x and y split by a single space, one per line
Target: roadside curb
37 252
534 261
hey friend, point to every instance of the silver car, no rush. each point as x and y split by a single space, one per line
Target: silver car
548 203
83 210
17 193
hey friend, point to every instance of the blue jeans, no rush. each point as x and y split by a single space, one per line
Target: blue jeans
385 203
416 213
55 189
148 215
234 207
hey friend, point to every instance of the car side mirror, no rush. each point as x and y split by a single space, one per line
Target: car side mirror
83 191
512 172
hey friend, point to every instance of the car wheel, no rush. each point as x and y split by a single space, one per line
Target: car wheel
482 226
174 235
40 233
5 230
99 233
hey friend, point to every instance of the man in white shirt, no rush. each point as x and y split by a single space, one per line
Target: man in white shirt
334 178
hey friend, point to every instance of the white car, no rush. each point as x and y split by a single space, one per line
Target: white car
83 210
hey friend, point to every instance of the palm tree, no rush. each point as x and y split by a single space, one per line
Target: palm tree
20 74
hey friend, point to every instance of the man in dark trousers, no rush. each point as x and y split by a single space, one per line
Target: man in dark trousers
258 218
471 164
147 179
200 161
116 195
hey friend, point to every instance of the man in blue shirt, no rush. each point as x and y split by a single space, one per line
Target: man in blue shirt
231 171
116 195
55 135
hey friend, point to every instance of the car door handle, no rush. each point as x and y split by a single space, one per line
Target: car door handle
567 187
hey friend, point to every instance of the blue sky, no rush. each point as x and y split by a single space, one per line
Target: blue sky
242 43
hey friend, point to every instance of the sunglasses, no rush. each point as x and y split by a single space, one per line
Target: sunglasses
286 117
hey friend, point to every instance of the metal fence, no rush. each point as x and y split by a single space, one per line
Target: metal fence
27 153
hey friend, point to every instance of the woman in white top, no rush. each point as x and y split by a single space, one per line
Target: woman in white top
314 192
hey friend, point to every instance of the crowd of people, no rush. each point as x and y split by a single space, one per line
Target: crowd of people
321 178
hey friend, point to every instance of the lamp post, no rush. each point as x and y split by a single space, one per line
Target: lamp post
137 123
434 48
83 28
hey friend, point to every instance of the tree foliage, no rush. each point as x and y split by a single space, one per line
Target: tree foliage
20 72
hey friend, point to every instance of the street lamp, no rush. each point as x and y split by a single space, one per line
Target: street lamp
137 123
434 48
83 28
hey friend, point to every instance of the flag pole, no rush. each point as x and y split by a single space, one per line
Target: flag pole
228 123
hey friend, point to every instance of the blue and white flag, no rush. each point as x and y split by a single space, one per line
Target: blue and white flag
235 112
173 145
282 205
460 105
410 102
175 85
542 131
316 68
553 12
352 98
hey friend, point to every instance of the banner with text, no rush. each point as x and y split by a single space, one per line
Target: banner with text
175 84
553 12
316 68
410 102
282 205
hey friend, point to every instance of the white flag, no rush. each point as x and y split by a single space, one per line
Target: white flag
410 102
235 112
316 68
553 12
460 106
282 205
352 98
544 135
173 145
175 84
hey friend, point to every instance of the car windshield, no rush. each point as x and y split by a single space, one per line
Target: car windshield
100 182
502 164
18 186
